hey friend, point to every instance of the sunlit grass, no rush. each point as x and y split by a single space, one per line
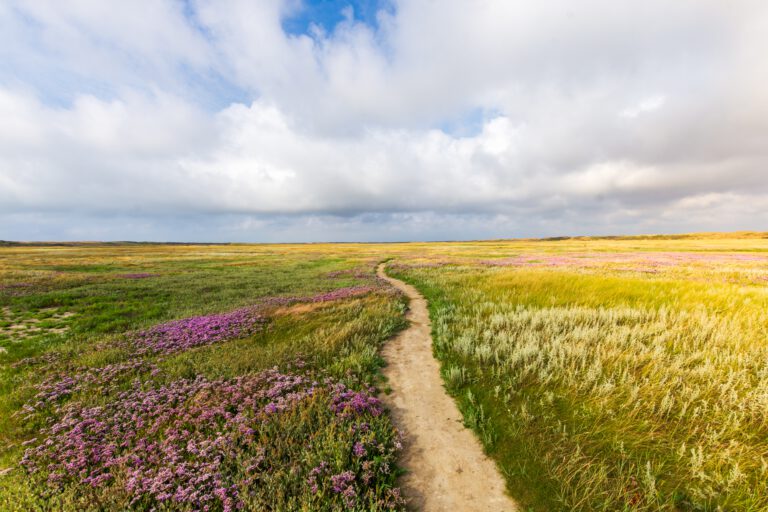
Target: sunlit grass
598 391
600 374
92 357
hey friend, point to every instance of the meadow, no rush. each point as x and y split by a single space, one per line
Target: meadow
620 375
600 374
193 378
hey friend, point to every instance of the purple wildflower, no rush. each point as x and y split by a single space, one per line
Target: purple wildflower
347 403
199 330
359 450
170 443
338 294
201 444
63 385
341 481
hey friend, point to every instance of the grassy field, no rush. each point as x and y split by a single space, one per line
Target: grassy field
173 378
611 375
601 374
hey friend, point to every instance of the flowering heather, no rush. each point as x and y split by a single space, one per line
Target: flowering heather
343 484
359 450
62 385
172 337
341 293
199 330
338 294
347 402
221 445
356 273
400 266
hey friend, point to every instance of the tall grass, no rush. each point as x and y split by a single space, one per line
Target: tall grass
594 394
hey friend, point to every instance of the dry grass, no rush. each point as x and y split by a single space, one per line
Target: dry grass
598 389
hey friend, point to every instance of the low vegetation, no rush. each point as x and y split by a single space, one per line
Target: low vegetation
600 374
611 381
198 381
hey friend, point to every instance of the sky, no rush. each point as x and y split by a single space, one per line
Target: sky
380 120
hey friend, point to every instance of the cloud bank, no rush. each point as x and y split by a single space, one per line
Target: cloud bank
209 121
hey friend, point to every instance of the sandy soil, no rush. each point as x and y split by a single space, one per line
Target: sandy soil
25 327
447 469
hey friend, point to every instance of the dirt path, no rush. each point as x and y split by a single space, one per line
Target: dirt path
447 469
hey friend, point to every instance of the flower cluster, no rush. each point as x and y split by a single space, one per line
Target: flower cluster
62 385
343 484
402 266
219 444
338 294
356 273
341 293
347 402
199 330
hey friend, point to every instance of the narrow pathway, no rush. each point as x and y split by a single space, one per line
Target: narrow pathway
447 469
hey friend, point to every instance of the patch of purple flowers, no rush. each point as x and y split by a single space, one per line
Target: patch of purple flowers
356 273
199 330
347 402
400 266
640 261
317 472
166 444
62 385
338 294
205 445
343 484
358 449
341 293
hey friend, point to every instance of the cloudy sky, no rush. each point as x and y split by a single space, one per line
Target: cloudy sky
300 120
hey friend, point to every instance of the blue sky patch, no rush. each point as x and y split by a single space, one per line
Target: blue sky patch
469 123
329 13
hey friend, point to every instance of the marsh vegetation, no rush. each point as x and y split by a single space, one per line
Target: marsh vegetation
598 374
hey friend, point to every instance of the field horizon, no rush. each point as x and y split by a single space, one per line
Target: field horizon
703 235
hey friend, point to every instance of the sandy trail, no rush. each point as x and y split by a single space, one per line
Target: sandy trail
447 469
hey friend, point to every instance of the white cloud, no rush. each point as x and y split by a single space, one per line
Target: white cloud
341 128
648 104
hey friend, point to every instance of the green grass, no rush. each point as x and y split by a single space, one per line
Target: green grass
82 321
595 384
599 392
